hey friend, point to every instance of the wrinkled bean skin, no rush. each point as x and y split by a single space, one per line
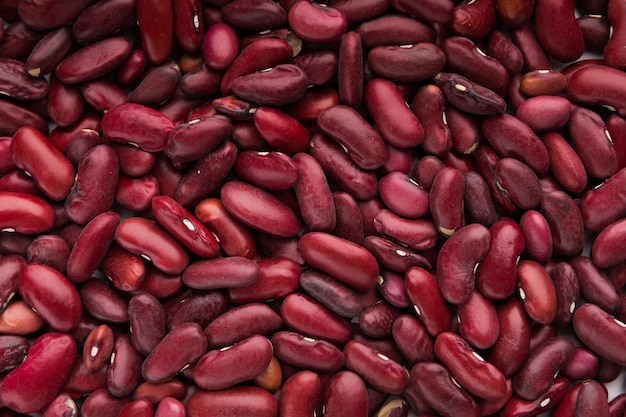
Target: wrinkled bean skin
13 351
434 384
36 382
599 331
233 402
536 376
457 261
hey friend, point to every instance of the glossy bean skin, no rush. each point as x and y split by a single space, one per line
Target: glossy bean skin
136 194
53 296
595 286
475 20
314 23
100 166
446 201
429 107
537 236
300 394
478 321
345 393
359 183
98 347
592 143
433 11
477 200
599 331
286 82
235 238
91 246
15 116
592 399
457 260
513 344
184 144
36 382
307 353
410 64
496 273
126 270
405 31
612 54
317 247
194 306
268 170
336 296
180 347
147 319
232 402
349 224
434 384
518 406
413 203
397 124
157 29
544 113
383 373
597 85
514 13
186 228
13 351
313 194
602 205
536 291
18 318
565 44
424 293
15 81
536 376
161 249
119 14
10 267
281 131
93 61
279 277
469 96
412 339
565 163
234 271
252 206
604 246
102 302
45 15
394 256
351 132
565 221
468 368
31 151
101 402
241 322
418 234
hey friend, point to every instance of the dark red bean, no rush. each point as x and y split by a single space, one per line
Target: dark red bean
243 400
427 300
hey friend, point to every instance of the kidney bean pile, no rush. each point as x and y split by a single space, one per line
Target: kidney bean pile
359 208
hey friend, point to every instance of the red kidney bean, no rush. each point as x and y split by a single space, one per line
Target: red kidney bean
537 236
394 29
317 23
418 234
332 294
46 15
102 403
65 103
617 405
468 368
102 302
474 20
504 50
19 181
345 261
536 376
564 43
429 107
194 306
604 250
300 394
161 249
220 46
91 246
457 261
583 365
394 256
513 343
147 321
188 24
595 286
50 250
15 116
137 125
257 15
320 68
518 182
179 348
234 271
102 94
139 408
597 85
359 183
567 288
234 238
93 61
51 294
136 194
157 85
565 221
345 393
279 277
377 319
18 84
98 348
526 40
446 201
81 381
477 201
38 380
241 322
463 131
391 287
397 124
277 86
596 32
10 267
157 29
49 52
434 384
592 399
242 400
592 143
18 318
412 339
307 353
259 209
13 351
536 291
52 171
613 56
429 304
544 113
63 404
110 16
431 11
414 199
269 170
199 83
313 193
599 331
518 406
297 311
406 63
602 205
469 96
171 407
281 131
478 321
496 274
349 224
485 71
159 284
566 165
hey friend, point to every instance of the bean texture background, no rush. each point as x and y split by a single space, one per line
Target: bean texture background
287 208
